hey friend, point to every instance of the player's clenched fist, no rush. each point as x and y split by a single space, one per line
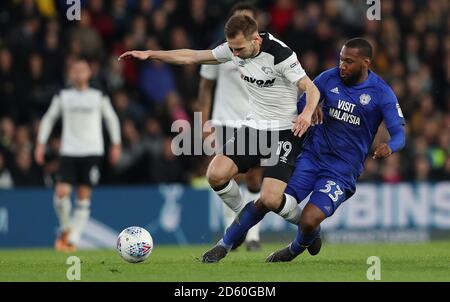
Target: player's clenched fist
137 54
382 151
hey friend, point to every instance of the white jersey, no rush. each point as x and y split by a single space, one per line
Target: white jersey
82 112
231 103
271 79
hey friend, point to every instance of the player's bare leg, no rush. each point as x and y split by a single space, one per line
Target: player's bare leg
271 194
313 217
62 205
80 216
309 227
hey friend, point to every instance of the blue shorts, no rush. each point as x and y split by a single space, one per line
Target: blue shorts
328 189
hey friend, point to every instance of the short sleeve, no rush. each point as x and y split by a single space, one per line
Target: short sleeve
210 72
222 53
291 69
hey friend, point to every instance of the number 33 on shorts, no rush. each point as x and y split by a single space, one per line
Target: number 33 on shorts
332 189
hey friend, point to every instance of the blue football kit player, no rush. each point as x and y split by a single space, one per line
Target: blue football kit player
355 101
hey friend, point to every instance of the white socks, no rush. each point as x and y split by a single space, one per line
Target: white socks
228 216
79 220
291 210
62 207
231 196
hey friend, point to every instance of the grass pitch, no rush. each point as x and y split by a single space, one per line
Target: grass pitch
336 262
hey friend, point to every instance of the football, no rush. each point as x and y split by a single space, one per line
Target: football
134 244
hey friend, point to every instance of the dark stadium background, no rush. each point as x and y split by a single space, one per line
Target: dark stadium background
38 42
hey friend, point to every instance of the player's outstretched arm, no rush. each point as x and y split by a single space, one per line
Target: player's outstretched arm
178 57
304 119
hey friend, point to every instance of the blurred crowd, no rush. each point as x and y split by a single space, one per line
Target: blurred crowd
37 43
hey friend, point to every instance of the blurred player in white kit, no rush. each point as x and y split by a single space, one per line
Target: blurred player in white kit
81 109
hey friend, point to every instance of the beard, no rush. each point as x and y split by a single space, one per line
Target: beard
351 80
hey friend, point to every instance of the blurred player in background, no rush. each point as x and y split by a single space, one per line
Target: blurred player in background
273 77
81 109
231 105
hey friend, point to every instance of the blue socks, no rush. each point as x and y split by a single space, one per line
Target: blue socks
302 241
246 219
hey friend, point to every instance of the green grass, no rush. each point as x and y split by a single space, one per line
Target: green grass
336 262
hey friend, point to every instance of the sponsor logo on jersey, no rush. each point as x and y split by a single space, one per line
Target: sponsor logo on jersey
344 113
260 83
364 99
241 63
294 64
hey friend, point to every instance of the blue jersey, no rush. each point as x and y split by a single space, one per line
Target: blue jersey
352 115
